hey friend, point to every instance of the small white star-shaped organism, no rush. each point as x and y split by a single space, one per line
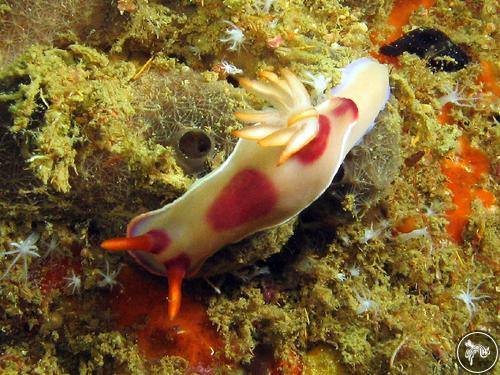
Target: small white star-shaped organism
293 122
468 297
235 36
372 233
365 303
53 248
354 270
109 278
230 68
74 282
23 249
340 276
456 96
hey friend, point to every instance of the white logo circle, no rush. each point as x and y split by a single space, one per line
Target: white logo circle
477 352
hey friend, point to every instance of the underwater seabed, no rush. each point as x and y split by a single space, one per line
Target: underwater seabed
112 109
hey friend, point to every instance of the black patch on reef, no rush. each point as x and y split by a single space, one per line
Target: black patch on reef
233 81
434 45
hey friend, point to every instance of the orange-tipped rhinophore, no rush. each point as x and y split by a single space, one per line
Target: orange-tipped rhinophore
153 242
176 271
123 243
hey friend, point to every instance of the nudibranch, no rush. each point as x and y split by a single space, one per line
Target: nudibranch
280 165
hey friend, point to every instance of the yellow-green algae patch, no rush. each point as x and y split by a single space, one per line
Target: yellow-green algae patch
86 130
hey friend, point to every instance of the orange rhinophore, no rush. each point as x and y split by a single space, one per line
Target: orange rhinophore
143 243
175 274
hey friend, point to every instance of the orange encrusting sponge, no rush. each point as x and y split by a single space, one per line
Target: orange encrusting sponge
407 225
400 15
140 305
444 115
467 168
489 78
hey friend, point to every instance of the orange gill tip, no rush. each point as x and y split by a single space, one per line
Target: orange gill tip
273 78
242 133
247 116
176 271
307 113
245 82
297 142
255 132
283 158
270 76
277 138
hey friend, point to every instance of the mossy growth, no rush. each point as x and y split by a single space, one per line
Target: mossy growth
88 140
55 23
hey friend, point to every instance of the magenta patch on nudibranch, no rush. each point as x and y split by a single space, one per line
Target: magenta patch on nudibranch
180 262
314 149
346 105
160 240
249 195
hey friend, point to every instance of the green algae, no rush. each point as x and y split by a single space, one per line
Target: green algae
86 145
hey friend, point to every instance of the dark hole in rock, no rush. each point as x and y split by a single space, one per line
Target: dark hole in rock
233 81
195 144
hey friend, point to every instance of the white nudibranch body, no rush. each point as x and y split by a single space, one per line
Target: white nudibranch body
283 162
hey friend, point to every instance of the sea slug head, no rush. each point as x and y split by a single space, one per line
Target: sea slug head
366 82
146 240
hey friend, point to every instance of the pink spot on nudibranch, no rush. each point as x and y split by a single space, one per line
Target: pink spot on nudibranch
346 105
249 195
160 240
314 149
